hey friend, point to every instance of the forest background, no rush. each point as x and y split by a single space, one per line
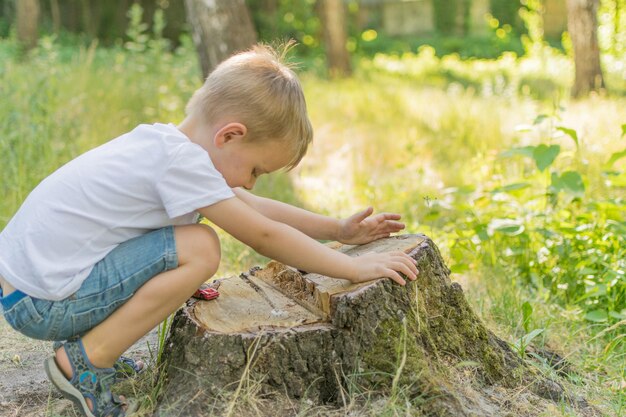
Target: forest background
472 127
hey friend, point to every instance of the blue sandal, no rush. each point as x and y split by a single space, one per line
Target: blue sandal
125 367
88 382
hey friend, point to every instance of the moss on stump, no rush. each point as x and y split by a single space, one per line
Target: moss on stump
305 335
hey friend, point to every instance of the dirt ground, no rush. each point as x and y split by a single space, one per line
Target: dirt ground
24 388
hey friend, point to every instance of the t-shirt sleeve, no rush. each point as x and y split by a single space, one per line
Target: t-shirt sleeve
189 181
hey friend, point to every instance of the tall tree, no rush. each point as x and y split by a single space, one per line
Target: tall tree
55 12
333 17
27 17
582 24
220 28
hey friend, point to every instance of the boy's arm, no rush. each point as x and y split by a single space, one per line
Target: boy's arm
282 242
357 229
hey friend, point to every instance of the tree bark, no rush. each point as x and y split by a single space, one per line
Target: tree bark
220 28
55 13
333 17
270 8
582 23
309 336
90 17
27 22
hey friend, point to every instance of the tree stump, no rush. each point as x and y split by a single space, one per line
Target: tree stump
306 335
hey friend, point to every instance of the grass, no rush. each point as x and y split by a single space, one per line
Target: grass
419 135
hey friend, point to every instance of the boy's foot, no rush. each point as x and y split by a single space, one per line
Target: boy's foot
88 387
125 367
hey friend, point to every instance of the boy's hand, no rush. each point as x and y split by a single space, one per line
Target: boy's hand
286 244
389 264
360 228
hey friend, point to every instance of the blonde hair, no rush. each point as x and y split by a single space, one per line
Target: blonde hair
262 91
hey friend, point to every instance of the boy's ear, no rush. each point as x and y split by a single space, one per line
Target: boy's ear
228 132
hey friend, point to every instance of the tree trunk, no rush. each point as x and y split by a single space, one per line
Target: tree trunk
220 28
55 13
333 17
7 9
27 22
582 25
270 8
309 336
90 17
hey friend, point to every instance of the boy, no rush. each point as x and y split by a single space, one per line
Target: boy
108 246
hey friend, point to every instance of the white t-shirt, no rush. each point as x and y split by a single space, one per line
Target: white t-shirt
147 179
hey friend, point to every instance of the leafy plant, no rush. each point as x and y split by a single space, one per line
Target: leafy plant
569 247
529 335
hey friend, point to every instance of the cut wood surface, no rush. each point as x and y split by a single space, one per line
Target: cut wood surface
306 335
244 308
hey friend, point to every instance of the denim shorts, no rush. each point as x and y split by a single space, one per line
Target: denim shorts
110 284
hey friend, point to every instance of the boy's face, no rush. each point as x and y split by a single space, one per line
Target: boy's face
242 162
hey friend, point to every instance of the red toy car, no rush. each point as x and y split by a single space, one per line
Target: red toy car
207 292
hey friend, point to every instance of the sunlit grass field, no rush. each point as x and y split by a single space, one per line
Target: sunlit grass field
522 189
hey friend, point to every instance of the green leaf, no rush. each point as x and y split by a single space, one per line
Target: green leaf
615 157
569 132
512 230
619 316
586 271
523 151
619 227
527 312
555 185
482 232
624 130
530 336
540 119
602 290
509 227
511 187
572 183
597 316
545 155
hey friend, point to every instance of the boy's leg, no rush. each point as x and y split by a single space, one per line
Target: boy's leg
198 252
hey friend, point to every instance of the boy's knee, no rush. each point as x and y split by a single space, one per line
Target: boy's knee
200 245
